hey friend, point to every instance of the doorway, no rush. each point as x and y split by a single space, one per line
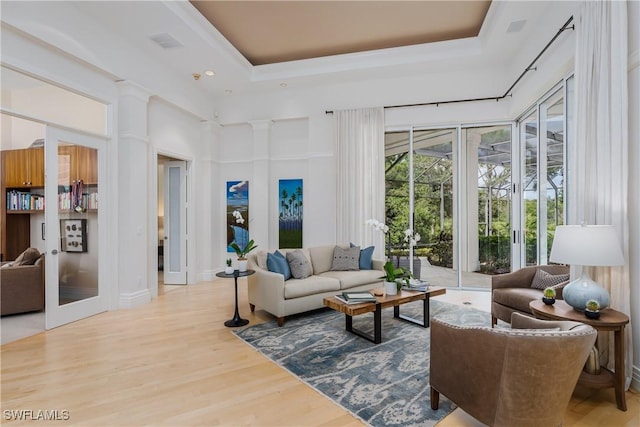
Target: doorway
172 223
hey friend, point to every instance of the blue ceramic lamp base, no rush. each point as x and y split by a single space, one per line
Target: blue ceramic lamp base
583 289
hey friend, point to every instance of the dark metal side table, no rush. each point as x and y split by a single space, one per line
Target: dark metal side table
237 320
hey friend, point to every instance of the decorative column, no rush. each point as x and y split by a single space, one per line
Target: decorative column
207 210
132 189
259 190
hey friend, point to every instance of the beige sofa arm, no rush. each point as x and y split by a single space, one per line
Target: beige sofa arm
266 290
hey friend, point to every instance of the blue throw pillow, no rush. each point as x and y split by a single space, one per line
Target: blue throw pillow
366 257
277 263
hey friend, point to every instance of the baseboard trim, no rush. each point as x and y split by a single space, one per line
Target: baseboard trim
635 378
134 299
207 275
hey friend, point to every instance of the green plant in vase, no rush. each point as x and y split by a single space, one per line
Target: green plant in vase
396 276
592 309
229 268
549 296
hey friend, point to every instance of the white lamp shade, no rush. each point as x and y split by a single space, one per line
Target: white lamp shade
590 245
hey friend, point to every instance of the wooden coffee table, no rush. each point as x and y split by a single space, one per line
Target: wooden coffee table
384 301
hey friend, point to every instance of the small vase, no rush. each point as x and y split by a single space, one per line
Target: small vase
242 265
390 288
228 270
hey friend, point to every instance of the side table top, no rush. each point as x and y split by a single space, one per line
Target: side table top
236 273
563 311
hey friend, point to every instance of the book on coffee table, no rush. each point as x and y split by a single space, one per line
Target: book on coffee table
358 297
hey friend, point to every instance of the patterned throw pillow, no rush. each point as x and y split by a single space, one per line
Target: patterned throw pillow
346 258
542 279
299 264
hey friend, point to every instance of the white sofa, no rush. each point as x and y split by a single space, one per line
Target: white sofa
270 292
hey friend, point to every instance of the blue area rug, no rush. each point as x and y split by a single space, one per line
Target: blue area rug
383 385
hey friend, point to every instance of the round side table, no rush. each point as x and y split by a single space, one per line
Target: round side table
610 320
237 320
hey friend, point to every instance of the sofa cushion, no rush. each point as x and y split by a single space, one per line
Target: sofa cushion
518 298
346 258
350 279
28 257
366 257
321 258
277 263
312 285
543 280
299 264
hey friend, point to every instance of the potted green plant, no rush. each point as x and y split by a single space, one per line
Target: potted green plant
242 253
592 309
229 267
394 278
549 296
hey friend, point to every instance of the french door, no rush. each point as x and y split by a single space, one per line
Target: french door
175 223
75 226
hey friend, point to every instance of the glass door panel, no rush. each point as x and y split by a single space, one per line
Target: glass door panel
529 138
433 207
397 167
486 226
74 238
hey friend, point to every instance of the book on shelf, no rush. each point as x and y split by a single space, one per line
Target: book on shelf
358 297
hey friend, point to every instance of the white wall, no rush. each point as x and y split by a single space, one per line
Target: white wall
634 179
178 134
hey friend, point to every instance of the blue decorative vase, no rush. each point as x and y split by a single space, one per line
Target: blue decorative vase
578 292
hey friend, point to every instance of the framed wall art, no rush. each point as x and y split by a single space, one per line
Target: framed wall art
290 213
73 233
237 213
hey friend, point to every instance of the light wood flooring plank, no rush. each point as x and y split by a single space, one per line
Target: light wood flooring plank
173 363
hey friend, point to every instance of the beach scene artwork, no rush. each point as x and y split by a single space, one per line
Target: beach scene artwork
237 213
290 213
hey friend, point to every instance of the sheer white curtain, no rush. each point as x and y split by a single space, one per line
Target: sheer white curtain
360 180
599 188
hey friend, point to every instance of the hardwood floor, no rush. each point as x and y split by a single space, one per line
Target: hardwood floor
173 363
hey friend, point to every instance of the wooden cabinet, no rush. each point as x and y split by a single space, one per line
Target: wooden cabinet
77 163
23 168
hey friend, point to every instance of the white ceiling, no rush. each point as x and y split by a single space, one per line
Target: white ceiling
204 47
130 24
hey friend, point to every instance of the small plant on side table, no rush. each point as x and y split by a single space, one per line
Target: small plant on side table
229 268
549 296
592 309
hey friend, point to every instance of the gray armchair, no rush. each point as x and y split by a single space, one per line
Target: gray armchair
512 292
509 377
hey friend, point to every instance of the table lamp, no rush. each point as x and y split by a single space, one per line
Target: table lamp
586 245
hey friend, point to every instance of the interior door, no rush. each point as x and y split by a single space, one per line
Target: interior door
175 223
75 231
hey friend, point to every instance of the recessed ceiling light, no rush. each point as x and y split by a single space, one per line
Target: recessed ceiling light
283 85
209 73
228 91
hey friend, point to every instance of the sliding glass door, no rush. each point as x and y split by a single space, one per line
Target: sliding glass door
542 138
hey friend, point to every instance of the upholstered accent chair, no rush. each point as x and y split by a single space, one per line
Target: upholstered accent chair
512 292
523 376
22 287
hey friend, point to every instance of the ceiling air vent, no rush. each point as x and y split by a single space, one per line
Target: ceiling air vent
166 40
516 26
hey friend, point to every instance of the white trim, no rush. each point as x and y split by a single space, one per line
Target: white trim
635 377
134 299
633 60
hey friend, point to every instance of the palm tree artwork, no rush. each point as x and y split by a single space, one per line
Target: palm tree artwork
290 213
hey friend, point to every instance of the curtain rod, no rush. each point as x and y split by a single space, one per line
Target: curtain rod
530 67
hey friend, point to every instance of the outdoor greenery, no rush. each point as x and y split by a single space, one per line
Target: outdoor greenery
433 207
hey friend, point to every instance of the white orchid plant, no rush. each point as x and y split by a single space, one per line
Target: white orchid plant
411 237
377 225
